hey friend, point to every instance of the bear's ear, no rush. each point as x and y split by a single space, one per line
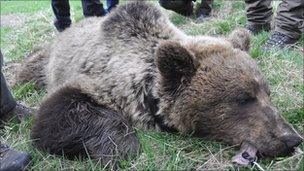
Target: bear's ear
240 39
175 62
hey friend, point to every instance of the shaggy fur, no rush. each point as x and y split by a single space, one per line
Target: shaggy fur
33 70
240 39
83 127
135 64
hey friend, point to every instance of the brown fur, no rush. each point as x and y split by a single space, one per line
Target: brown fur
240 39
33 70
135 65
83 128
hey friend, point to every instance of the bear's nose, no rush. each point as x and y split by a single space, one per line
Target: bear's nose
292 141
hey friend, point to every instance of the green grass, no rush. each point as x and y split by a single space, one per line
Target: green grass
160 151
37 27
30 7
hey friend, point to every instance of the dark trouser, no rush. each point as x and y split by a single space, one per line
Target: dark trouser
61 9
92 8
7 101
204 8
173 4
111 4
289 19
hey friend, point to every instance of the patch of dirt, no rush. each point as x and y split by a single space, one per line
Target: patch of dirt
13 20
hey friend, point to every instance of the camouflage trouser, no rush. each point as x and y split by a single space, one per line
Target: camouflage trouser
289 19
7 101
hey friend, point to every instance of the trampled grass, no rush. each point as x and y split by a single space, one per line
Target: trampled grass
160 151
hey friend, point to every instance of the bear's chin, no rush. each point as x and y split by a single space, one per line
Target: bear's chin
246 155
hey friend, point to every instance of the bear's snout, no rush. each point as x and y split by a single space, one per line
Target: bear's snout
291 142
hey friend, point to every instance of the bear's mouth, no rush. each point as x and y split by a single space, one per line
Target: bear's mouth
249 154
246 156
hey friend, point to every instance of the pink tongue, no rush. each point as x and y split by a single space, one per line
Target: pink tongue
245 156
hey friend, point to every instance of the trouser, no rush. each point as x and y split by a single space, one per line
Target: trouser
92 8
204 8
173 4
61 9
289 19
7 101
111 4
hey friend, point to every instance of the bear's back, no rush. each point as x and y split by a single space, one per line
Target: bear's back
114 54
123 42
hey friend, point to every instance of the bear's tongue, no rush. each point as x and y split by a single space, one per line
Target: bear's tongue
246 155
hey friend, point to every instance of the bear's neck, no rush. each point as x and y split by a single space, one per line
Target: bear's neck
159 120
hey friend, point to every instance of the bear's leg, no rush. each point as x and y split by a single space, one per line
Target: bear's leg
70 123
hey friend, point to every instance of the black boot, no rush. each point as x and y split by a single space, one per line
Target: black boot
93 8
183 7
12 160
62 24
278 40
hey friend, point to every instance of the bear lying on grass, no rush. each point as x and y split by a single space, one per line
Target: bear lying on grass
134 68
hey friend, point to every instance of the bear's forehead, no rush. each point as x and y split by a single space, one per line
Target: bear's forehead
233 83
220 53
229 67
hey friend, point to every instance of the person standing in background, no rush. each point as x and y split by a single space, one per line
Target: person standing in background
11 159
111 4
61 9
289 22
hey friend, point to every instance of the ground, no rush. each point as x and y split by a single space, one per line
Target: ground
26 26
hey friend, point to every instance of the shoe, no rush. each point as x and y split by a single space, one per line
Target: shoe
258 28
181 7
12 160
278 40
20 112
61 25
202 18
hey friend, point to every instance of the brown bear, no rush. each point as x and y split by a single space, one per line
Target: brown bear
132 68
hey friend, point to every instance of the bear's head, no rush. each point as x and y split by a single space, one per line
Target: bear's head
216 91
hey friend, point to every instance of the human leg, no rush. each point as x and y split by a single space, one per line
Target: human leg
259 14
92 8
61 9
288 24
111 4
